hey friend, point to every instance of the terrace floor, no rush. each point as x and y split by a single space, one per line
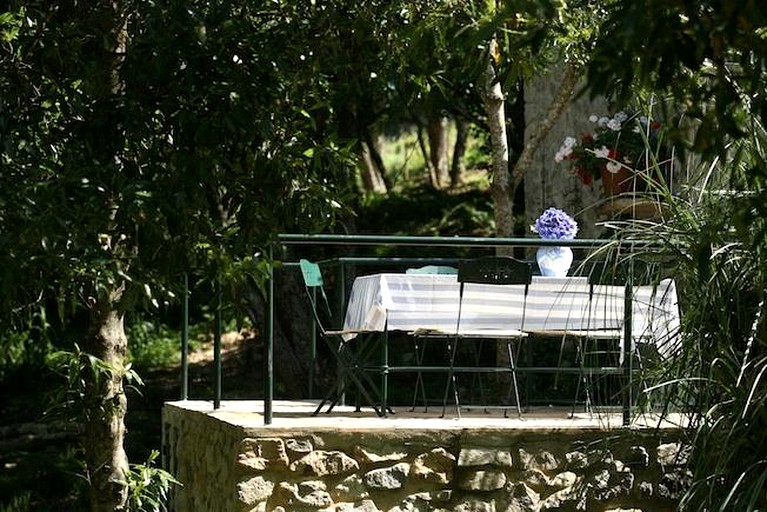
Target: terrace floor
299 415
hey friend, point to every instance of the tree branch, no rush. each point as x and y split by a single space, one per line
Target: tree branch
538 133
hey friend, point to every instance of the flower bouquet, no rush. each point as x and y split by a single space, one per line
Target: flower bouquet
616 149
555 224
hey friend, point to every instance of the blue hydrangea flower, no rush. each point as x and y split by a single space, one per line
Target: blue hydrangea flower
555 224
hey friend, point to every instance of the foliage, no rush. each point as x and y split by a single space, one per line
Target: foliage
79 371
19 503
47 477
423 211
715 237
711 55
149 486
155 344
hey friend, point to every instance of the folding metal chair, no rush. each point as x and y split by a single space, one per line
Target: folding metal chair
420 338
350 369
604 308
491 270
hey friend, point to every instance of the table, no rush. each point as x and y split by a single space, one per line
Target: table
571 306
429 302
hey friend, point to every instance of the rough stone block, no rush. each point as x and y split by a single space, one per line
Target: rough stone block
542 460
258 453
671 454
484 457
323 463
254 490
366 456
393 477
350 488
299 446
475 505
483 480
435 466
519 498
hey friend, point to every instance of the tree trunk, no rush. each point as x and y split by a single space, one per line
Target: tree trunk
437 130
500 187
459 150
106 405
426 160
374 177
372 181
504 184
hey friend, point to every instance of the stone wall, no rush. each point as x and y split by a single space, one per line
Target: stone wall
226 468
549 183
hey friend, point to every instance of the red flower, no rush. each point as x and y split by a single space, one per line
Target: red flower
586 177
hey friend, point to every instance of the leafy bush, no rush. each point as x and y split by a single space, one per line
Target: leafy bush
717 236
149 486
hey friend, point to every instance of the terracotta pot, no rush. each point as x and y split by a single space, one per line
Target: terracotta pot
618 182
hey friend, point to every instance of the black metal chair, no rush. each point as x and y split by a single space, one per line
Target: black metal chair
491 270
599 345
351 371
421 338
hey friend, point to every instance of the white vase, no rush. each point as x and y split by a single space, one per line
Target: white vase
554 261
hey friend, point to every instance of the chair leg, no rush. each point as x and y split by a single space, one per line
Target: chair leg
514 385
527 351
451 381
420 349
476 377
583 378
350 373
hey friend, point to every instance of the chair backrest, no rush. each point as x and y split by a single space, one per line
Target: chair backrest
495 270
314 284
433 269
311 273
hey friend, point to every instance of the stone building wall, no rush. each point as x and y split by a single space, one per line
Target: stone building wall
550 183
229 468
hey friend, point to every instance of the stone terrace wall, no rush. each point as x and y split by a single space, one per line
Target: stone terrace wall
227 468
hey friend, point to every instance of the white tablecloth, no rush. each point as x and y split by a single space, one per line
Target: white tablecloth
410 302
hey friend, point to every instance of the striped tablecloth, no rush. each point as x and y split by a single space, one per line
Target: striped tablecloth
412 302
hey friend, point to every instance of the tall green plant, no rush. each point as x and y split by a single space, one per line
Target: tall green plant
715 233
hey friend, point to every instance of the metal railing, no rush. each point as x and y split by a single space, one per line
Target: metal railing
287 240
389 241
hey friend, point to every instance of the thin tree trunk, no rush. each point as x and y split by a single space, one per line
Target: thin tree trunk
105 400
437 130
426 160
372 181
500 187
377 167
106 406
459 150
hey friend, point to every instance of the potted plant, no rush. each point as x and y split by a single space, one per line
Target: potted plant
617 151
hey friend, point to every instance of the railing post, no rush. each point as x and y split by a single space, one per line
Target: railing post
313 348
628 370
269 363
185 339
217 346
